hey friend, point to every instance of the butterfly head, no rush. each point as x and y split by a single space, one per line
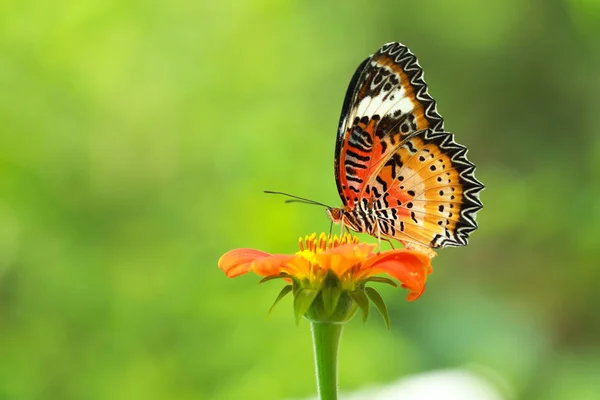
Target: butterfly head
335 214
346 217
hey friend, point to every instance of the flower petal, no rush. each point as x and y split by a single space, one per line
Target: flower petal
237 262
273 265
341 259
408 266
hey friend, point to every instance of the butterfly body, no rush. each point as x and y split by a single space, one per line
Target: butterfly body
399 174
361 218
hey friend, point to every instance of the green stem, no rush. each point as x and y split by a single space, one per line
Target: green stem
326 341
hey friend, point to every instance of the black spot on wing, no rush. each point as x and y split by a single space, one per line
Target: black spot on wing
383 183
410 147
412 216
350 163
352 154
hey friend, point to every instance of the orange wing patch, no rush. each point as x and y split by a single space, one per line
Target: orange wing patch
423 186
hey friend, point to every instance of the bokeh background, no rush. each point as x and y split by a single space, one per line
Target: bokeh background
136 138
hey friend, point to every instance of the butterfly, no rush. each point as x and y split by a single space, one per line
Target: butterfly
399 174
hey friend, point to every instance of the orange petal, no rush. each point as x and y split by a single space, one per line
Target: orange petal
415 294
297 266
273 265
341 259
407 266
237 262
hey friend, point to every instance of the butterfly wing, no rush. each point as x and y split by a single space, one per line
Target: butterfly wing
426 194
393 153
386 101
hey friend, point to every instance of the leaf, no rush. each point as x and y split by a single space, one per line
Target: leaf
380 279
380 304
271 277
286 289
331 298
303 299
363 302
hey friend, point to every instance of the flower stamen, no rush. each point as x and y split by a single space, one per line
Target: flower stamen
324 242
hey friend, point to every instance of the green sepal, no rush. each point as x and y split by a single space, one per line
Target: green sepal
380 279
330 293
303 299
271 277
331 298
380 304
363 302
286 289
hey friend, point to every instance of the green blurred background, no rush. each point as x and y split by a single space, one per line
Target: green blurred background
136 138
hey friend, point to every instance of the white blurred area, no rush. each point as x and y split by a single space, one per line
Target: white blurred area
455 384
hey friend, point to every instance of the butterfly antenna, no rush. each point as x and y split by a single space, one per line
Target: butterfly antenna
297 199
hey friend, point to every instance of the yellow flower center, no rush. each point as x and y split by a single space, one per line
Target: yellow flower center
312 245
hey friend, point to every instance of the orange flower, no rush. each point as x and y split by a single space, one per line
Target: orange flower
331 268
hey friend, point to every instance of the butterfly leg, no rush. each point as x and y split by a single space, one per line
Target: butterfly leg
390 242
378 237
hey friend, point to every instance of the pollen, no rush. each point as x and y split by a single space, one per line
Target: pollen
310 243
